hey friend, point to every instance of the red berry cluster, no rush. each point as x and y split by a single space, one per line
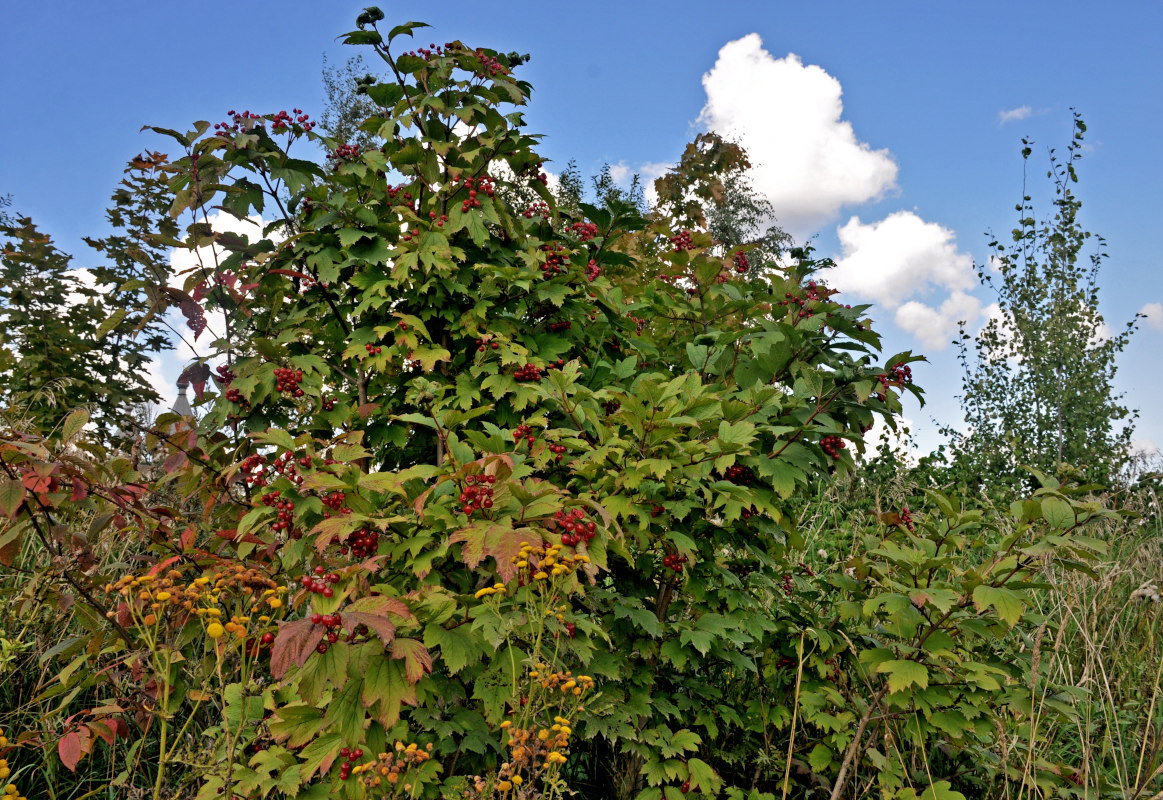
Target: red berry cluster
328 402
235 396
320 583
334 501
739 474
674 562
584 230
407 196
484 184
282 120
593 270
373 350
361 544
832 445
443 218
639 323
225 375
562 325
482 344
286 465
287 380
286 509
742 265
898 375
529 372
682 241
433 51
555 260
577 527
253 468
657 511
523 432
538 209
558 450
344 152
490 67
907 518
787 585
748 513
478 493
350 758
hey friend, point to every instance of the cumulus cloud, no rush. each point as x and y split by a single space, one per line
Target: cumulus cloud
902 258
936 328
1014 114
1154 314
806 160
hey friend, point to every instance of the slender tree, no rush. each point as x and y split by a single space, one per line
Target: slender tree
1037 386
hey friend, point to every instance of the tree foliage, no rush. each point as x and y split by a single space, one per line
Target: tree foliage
470 515
1039 390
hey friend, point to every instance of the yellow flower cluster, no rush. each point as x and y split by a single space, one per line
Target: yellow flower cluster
391 767
10 790
155 594
566 681
496 588
543 563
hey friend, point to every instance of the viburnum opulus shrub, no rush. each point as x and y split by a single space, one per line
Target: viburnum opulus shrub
469 515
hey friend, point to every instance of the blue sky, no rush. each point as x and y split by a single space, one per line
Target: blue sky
903 183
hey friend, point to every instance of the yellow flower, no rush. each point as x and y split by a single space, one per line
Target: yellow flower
275 602
163 596
215 630
539 576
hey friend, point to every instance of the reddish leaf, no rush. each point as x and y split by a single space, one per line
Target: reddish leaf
417 659
10 544
294 643
366 410
383 627
162 566
500 542
186 540
103 730
330 529
174 463
124 616
73 746
80 490
381 604
292 273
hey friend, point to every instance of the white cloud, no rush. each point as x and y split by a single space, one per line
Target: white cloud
899 441
1154 314
903 257
806 160
1014 114
936 328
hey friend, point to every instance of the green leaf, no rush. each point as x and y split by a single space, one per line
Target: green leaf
820 758
320 754
11 496
903 674
702 777
1006 602
1057 512
111 322
74 422
459 647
